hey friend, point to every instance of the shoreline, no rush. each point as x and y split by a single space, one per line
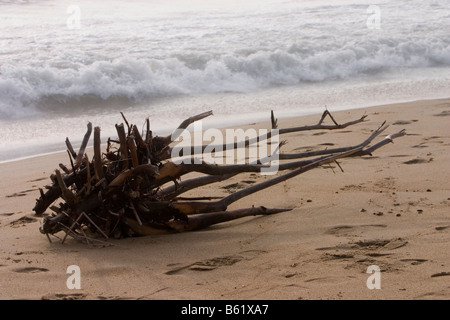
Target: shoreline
389 210
287 114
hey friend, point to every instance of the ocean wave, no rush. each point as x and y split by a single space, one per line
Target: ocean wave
27 90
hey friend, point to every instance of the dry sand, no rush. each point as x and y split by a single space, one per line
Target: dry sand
390 210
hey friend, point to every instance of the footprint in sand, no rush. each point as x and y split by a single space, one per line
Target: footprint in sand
362 251
428 140
387 244
324 280
367 252
342 230
39 179
63 296
440 274
20 194
442 114
7 214
418 160
339 256
399 155
208 264
401 122
214 263
231 188
30 270
435 295
115 298
22 221
414 262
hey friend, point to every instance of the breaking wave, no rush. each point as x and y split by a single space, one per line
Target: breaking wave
27 90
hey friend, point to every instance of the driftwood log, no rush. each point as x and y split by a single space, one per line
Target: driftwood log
134 187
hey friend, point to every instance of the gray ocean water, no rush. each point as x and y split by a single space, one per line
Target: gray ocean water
65 63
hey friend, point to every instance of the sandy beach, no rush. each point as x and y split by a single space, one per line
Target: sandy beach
389 210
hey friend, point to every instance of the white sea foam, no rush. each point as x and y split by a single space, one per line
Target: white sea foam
26 89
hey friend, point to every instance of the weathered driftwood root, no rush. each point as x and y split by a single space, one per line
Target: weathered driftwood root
133 188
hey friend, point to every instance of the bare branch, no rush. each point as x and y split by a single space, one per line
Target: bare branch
83 145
